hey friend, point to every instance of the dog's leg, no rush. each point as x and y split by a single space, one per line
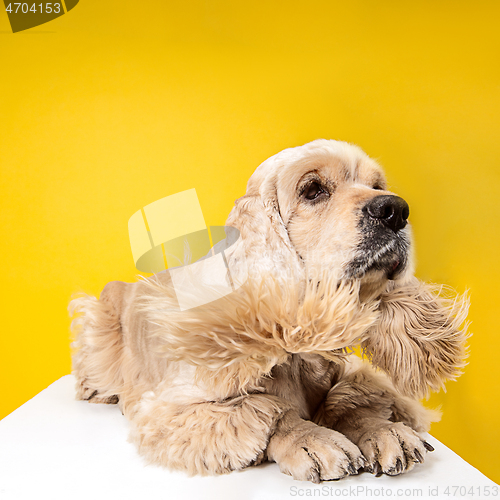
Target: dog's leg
365 407
309 452
204 437
215 438
97 346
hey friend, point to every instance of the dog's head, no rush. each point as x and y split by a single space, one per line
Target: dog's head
327 205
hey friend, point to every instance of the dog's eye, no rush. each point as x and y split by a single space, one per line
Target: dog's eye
313 190
378 187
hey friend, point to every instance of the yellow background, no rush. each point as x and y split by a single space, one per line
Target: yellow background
118 104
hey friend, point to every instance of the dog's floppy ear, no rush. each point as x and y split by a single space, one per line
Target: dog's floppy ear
420 337
264 243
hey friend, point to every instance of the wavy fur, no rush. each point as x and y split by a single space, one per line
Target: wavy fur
250 331
419 340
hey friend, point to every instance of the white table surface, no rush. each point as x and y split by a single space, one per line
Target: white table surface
54 447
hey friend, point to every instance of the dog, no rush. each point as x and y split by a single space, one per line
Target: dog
268 372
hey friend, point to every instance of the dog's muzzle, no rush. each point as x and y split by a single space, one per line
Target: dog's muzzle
384 245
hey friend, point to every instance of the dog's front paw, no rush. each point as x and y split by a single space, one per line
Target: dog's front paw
314 453
393 449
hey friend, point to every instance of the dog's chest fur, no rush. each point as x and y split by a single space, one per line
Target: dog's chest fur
304 381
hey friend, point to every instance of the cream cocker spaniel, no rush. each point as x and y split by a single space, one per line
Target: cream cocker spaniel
267 372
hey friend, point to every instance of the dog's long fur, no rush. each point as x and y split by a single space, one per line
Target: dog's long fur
267 371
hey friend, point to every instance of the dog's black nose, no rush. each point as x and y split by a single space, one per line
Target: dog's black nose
391 210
